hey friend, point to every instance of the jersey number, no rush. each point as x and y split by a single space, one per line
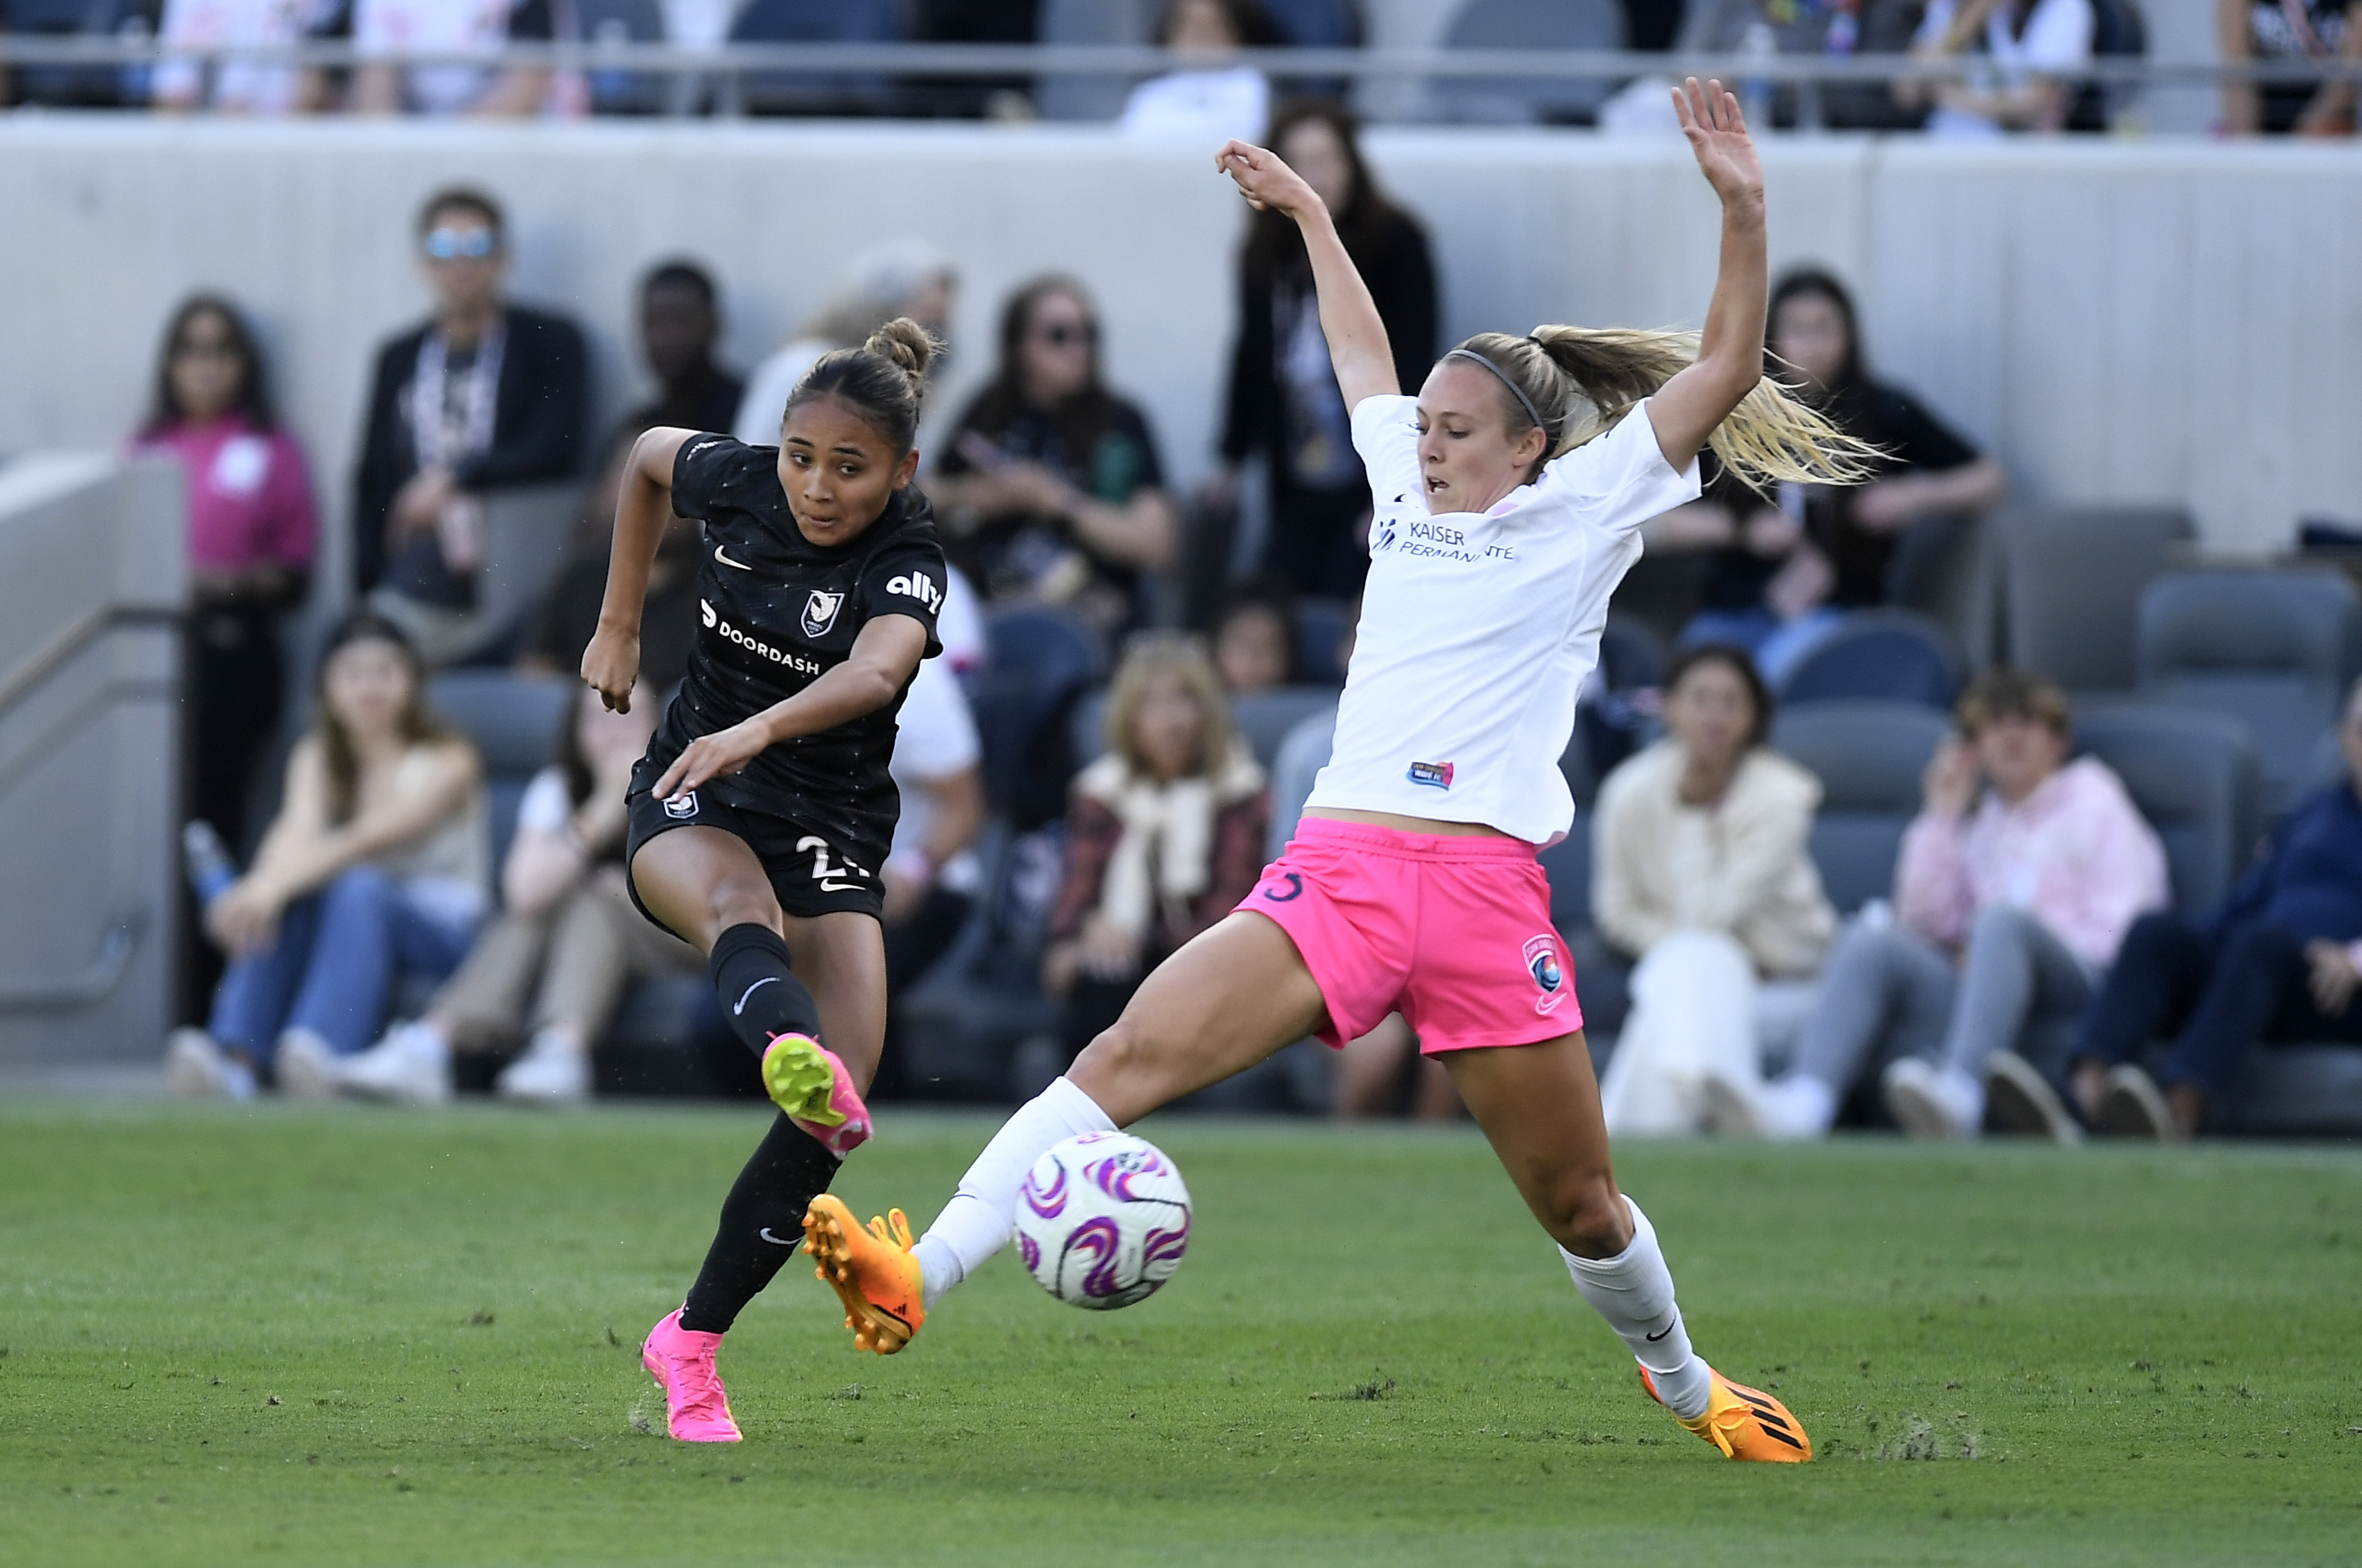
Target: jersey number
822 872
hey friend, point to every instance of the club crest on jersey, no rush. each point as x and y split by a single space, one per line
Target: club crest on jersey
820 611
1542 962
1435 775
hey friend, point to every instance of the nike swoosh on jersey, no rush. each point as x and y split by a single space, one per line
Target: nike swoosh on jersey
721 555
740 1011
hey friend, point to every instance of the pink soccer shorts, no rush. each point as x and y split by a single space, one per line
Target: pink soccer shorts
1454 931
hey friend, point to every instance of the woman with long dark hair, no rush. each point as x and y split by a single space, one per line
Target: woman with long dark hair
1052 490
379 862
1284 401
252 528
1791 559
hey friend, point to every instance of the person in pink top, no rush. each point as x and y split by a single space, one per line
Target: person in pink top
252 528
2015 887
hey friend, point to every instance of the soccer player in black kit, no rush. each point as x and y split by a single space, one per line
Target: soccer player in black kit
763 811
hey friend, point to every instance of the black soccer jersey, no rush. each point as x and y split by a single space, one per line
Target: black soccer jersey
776 611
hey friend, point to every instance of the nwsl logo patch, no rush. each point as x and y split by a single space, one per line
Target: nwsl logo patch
1435 775
1542 962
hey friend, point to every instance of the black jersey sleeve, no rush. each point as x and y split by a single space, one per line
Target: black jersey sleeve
905 578
714 469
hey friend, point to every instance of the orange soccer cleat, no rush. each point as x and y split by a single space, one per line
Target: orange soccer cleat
1745 1424
871 1271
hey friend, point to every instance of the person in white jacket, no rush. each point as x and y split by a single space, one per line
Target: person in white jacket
1700 869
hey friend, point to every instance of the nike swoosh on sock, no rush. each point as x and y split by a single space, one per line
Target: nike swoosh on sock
765 1233
740 1011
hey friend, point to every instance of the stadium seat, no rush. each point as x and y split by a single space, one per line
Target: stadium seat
1303 752
1320 628
2297 1091
73 86
1869 757
1040 663
622 22
1080 97
815 22
514 722
2273 649
2072 578
1888 655
2192 773
1525 26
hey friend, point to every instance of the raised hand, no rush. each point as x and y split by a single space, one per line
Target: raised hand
1717 133
1264 181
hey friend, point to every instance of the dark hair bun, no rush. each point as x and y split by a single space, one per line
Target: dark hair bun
909 347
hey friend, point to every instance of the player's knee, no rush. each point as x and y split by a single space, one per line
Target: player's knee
1119 1051
1588 1216
742 901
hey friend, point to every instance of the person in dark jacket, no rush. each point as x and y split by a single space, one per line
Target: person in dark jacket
2280 959
486 395
681 320
1284 401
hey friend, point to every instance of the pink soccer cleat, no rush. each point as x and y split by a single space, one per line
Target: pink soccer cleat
806 1080
697 1408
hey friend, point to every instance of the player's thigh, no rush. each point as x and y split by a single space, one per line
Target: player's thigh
701 881
1538 1105
1233 995
842 958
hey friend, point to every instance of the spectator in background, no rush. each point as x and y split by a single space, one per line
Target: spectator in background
1702 872
681 320
1051 490
377 866
559 632
1209 99
2320 30
1284 401
486 395
567 934
2004 913
2035 47
2280 959
239 87
460 27
252 532
1254 637
75 86
897 278
1165 836
1788 566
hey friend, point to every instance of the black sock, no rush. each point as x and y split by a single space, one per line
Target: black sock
760 995
762 1224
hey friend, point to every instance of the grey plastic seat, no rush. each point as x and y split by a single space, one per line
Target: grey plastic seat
1891 655
622 22
1529 24
514 722
2072 579
1869 757
1302 754
2274 649
2192 773
1081 97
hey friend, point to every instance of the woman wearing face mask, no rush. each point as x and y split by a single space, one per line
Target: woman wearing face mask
1508 496
379 862
1284 401
761 817
1701 873
1791 560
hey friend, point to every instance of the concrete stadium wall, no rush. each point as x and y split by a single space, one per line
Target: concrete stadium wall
2160 320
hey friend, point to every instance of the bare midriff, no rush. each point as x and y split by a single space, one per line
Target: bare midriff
1406 824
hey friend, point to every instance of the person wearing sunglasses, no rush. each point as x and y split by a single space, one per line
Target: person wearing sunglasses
1051 492
483 397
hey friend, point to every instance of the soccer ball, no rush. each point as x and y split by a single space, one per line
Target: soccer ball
1102 1219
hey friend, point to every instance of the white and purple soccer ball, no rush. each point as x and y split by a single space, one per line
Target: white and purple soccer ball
1102 1219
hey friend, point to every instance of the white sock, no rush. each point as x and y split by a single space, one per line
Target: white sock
1634 1291
977 1222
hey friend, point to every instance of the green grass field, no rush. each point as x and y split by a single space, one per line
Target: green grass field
281 1337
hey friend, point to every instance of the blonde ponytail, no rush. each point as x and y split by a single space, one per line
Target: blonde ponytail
1583 381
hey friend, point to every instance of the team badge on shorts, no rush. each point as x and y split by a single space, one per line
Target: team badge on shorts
820 611
682 809
1542 962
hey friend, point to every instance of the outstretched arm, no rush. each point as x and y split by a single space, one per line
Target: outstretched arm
612 663
1730 351
1349 317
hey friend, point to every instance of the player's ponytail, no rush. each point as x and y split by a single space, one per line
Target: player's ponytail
1581 380
884 381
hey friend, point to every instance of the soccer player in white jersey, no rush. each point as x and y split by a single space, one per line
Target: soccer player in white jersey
1508 499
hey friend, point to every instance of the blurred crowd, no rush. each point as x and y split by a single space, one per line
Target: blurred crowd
1136 687
2024 62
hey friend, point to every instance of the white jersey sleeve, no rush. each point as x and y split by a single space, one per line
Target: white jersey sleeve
1620 479
1386 432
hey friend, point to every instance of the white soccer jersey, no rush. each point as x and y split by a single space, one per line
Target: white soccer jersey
1478 628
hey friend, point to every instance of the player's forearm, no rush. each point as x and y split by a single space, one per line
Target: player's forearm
1358 349
641 513
1730 350
841 695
